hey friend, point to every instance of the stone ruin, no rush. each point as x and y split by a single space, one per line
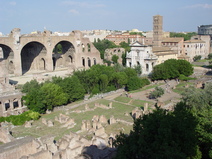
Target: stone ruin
96 105
72 146
66 120
10 99
138 112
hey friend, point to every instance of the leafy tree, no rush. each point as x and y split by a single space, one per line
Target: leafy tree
157 135
130 72
53 95
125 45
158 92
185 68
171 69
102 45
136 33
120 79
160 72
138 70
186 36
134 83
210 56
34 101
200 102
103 82
197 57
115 58
27 87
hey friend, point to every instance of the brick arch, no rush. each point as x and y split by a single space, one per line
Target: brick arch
63 54
31 54
8 55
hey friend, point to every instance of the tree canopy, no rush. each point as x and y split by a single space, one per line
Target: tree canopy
171 69
186 36
185 132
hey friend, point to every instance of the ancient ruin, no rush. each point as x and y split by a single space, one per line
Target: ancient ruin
39 52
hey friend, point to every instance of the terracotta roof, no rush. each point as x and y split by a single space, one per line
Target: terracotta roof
175 40
194 41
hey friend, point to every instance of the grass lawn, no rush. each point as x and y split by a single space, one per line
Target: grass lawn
181 87
146 88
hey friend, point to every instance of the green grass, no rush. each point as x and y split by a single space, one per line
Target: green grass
146 88
38 129
181 87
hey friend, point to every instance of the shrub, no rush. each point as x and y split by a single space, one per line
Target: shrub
210 56
197 57
22 118
158 92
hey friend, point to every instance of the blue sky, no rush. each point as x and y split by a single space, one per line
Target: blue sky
68 15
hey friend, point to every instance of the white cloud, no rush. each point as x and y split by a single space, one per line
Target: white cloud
84 4
73 11
13 3
205 6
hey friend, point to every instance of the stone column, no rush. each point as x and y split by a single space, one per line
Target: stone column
17 61
19 103
49 61
11 105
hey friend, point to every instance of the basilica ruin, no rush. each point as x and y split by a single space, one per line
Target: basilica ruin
37 52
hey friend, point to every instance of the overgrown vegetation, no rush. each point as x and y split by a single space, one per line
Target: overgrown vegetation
186 36
102 45
22 118
98 79
171 69
158 92
185 132
197 57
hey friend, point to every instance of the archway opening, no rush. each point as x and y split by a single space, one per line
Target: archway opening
63 54
89 62
31 55
83 62
147 67
7 54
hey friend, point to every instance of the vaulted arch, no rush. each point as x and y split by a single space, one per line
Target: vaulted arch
31 54
63 54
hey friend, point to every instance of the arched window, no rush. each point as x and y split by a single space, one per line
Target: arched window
147 67
83 62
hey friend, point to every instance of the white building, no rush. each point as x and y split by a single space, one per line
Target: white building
141 55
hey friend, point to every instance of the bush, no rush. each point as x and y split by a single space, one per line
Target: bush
158 92
22 118
197 57
210 56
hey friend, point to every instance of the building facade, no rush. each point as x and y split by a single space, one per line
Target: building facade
117 39
195 48
141 55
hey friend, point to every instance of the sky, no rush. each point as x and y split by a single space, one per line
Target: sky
69 15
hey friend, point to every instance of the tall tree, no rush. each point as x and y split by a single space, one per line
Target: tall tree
157 135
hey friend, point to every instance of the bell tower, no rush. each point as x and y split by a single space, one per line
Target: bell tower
157 30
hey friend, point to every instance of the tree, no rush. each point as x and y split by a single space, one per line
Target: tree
157 135
200 102
186 36
134 83
138 69
115 58
27 87
197 57
53 95
158 92
210 56
171 69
